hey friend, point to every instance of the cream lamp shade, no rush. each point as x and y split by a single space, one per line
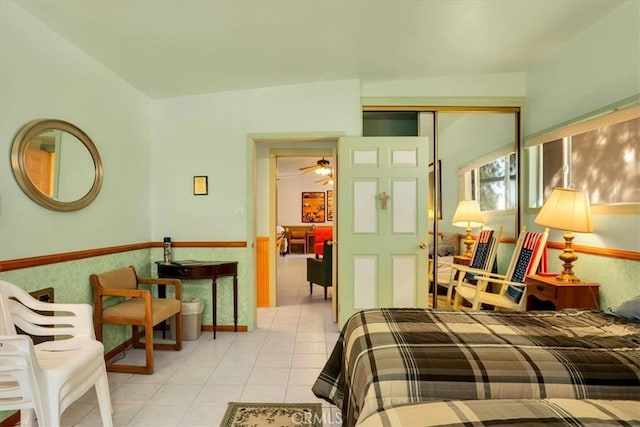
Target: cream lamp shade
567 209
468 215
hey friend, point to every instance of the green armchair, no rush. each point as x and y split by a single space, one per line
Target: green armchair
319 271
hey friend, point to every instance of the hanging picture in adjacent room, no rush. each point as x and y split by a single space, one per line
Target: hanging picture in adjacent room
313 206
329 205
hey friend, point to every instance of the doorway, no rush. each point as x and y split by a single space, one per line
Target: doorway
262 222
303 198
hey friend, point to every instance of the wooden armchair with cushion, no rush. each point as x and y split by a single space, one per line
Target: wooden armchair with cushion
319 271
138 308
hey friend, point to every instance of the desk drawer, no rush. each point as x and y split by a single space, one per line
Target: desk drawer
184 271
544 291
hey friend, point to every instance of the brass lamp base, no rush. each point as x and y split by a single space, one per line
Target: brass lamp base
568 256
468 242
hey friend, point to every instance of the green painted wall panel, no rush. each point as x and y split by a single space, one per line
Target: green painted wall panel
71 284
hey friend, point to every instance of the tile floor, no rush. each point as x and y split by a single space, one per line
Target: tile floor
277 362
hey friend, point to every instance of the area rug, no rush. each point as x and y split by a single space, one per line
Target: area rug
243 414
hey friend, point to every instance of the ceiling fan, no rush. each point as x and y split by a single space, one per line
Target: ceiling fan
321 167
327 180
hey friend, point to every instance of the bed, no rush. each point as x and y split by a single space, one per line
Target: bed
510 412
388 358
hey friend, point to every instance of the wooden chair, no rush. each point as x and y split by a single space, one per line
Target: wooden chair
319 271
45 379
483 259
512 293
297 237
137 309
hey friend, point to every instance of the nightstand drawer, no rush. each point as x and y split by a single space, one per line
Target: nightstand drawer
544 291
547 293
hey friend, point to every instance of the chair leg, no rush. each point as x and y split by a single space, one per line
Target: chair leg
310 288
456 301
325 292
148 346
450 293
178 323
104 400
27 417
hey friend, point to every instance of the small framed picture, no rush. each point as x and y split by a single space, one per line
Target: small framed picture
200 185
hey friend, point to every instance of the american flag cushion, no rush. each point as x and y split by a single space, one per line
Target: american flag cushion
524 264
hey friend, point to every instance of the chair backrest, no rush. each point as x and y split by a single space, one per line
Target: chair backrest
6 325
327 258
19 373
123 278
485 250
18 309
320 234
525 259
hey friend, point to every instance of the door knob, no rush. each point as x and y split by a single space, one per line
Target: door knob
423 245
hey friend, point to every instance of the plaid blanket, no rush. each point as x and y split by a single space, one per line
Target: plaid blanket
510 412
390 357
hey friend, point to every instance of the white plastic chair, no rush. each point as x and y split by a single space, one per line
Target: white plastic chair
483 257
513 289
48 377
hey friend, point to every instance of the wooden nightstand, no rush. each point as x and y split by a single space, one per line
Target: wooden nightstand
461 260
546 293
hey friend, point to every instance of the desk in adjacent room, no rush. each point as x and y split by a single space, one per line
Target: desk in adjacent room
205 270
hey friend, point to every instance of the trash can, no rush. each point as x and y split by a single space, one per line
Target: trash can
191 319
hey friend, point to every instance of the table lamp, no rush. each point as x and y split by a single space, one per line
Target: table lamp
468 215
566 209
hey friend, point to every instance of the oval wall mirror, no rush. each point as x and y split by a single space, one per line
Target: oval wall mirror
56 164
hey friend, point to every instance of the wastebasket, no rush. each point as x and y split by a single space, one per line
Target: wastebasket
191 319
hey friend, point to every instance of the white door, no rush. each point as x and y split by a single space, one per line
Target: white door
382 224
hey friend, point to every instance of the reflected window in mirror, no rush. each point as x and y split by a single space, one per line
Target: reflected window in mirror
492 183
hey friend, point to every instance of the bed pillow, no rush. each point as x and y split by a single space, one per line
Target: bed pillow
452 241
629 309
443 250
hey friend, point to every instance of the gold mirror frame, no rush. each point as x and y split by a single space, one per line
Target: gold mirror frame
18 166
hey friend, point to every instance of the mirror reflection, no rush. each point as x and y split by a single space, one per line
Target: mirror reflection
56 164
59 165
478 169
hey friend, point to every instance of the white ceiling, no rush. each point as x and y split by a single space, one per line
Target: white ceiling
170 48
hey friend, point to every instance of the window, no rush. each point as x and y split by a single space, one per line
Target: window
491 181
599 156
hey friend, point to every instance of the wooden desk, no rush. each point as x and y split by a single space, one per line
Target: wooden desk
548 293
205 270
309 241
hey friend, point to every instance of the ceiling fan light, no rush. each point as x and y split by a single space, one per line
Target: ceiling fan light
324 171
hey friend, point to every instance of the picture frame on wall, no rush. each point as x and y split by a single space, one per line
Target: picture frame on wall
329 205
313 206
432 183
200 185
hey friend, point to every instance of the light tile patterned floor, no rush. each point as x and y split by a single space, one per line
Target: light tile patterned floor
277 362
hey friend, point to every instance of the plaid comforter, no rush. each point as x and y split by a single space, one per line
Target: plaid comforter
510 412
390 357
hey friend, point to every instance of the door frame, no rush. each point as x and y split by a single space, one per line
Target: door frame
308 143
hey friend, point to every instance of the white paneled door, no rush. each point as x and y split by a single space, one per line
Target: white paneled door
382 199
